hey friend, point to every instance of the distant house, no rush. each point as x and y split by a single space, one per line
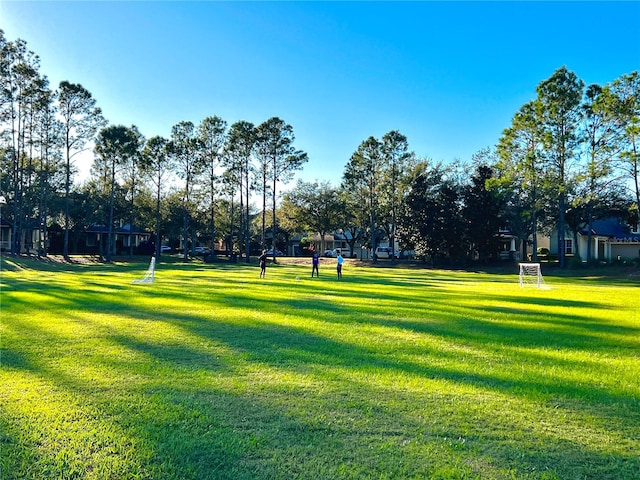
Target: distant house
5 236
342 240
29 241
122 238
508 249
611 239
332 241
339 240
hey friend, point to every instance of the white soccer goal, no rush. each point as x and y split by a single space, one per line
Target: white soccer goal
149 276
531 274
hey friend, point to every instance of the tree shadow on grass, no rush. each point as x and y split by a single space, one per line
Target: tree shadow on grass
197 414
303 353
192 429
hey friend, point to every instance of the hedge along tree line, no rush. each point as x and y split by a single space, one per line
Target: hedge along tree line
568 158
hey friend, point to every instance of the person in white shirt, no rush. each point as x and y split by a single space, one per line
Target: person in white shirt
339 262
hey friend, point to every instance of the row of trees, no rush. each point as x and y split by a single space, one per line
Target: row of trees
435 210
368 201
573 150
195 172
42 132
206 168
569 157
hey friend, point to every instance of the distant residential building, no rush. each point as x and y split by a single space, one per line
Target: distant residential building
611 239
5 236
122 238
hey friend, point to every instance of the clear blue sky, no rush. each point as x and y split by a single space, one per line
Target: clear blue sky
448 75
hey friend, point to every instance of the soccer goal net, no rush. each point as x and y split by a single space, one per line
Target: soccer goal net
531 274
149 276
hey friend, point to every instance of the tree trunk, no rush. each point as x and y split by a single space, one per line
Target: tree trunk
534 236
561 231
263 240
589 231
372 225
67 193
246 226
274 227
158 220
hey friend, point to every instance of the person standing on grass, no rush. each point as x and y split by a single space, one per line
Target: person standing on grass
315 262
263 263
339 262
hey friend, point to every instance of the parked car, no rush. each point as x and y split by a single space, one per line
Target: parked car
278 252
386 252
165 248
202 251
334 253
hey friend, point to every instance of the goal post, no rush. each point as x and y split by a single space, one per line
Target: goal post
531 274
150 275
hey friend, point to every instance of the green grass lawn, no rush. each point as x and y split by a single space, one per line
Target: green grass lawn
214 373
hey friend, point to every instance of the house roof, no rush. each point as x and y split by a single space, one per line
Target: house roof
333 236
612 228
121 231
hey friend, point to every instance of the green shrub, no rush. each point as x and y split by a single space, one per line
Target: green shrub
575 261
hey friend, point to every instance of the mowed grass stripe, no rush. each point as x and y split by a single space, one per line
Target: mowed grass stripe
212 372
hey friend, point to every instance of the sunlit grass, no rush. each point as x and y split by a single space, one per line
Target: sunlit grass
214 373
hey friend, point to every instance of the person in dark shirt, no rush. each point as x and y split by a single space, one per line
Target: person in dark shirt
315 262
263 264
